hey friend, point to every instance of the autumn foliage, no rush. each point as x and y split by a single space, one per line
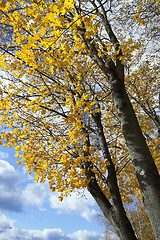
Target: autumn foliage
56 100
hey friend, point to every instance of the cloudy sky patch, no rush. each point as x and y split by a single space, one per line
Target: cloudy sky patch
10 197
13 198
22 201
75 204
35 194
3 155
8 231
5 223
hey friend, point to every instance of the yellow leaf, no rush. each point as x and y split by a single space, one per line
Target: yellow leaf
50 16
43 30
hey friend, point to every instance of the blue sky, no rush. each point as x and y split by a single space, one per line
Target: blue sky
29 210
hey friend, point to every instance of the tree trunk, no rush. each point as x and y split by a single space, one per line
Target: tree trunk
145 168
119 221
115 213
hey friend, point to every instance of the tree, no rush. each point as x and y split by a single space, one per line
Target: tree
141 223
74 73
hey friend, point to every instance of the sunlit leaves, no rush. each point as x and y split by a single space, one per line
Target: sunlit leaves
56 89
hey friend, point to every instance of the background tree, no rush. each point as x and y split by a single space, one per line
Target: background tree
141 223
68 102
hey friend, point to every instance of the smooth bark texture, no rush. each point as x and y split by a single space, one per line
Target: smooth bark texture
115 212
118 220
123 225
146 171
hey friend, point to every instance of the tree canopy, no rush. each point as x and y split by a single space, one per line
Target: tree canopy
74 69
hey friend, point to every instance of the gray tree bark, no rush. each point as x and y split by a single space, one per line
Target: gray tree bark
145 168
118 220
115 213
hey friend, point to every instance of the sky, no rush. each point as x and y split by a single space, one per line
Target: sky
29 210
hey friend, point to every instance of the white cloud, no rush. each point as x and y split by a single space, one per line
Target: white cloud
35 194
10 197
86 235
22 234
6 168
8 231
5 223
75 204
14 198
48 234
4 155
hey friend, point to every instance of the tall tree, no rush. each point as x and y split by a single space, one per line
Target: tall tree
74 71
